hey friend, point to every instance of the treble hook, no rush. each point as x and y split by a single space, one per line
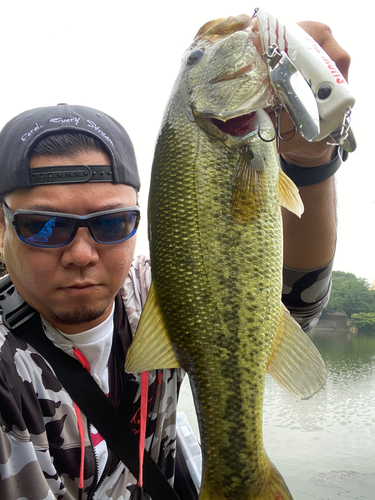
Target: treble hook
263 139
277 111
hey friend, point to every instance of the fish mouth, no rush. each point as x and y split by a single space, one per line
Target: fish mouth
239 126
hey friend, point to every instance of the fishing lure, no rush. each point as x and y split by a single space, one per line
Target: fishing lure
307 83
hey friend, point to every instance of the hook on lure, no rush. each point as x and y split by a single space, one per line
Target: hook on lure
278 137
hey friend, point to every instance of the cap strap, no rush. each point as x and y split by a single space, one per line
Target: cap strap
70 174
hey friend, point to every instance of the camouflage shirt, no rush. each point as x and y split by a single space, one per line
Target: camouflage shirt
40 447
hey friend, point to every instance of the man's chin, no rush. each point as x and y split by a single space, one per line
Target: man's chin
78 317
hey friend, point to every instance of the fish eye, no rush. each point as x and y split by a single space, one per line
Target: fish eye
195 56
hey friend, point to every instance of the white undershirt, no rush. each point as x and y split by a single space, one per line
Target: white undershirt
95 344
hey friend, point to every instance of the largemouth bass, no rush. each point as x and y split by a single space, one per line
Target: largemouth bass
215 232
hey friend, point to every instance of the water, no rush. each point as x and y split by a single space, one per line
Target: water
324 447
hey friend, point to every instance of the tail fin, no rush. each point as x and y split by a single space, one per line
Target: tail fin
270 487
274 488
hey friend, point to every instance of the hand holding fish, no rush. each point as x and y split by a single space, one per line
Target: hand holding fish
298 151
309 242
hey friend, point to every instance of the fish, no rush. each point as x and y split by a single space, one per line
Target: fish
215 235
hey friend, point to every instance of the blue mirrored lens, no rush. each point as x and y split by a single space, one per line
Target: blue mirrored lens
113 227
44 234
45 231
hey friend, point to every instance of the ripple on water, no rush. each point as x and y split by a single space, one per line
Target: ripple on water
334 429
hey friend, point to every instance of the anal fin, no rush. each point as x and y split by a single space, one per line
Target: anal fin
295 363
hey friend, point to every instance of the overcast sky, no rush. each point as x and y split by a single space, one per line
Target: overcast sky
123 56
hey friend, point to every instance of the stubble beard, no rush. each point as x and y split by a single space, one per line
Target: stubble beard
77 317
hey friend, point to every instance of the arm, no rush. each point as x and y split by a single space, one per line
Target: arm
308 253
309 242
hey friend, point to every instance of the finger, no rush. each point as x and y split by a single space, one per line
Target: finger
323 35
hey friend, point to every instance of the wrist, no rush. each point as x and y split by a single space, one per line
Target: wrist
305 175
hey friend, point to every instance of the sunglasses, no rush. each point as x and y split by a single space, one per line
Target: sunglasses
54 229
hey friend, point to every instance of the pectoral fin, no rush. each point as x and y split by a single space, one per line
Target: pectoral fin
249 191
289 195
295 363
151 348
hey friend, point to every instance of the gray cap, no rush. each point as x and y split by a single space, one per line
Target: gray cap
20 134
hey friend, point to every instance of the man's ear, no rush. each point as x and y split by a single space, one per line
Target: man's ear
2 228
2 224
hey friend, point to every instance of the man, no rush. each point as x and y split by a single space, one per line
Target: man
69 216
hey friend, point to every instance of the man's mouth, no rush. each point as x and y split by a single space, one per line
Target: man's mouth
81 284
82 287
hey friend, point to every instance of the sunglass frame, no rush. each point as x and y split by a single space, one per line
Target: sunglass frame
81 221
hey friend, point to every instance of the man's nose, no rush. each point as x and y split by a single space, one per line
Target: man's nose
81 251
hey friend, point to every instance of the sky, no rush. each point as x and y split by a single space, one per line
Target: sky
122 57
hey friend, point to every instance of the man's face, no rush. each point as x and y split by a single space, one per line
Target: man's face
73 286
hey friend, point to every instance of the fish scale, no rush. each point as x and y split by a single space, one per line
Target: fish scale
214 306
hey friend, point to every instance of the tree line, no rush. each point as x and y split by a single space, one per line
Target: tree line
354 297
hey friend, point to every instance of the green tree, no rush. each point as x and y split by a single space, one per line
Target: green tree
350 294
364 321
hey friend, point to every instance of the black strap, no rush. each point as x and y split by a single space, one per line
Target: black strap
303 176
98 409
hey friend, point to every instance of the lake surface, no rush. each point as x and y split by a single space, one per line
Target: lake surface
324 447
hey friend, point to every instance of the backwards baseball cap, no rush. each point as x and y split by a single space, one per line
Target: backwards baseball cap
20 134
